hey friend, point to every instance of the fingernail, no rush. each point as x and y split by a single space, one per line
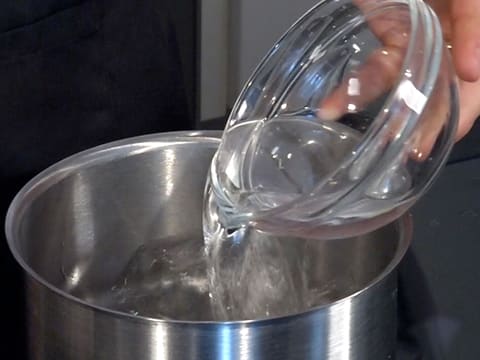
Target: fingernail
329 114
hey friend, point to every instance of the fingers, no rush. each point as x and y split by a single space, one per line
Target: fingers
469 107
379 72
436 114
363 86
442 9
465 15
433 119
384 22
461 27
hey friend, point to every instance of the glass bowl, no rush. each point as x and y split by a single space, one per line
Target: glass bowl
343 125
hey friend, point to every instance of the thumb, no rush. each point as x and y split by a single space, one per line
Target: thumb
466 38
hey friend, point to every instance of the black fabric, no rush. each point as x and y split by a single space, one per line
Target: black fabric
416 309
75 74
446 247
78 73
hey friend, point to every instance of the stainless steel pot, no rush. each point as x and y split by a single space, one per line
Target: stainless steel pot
75 227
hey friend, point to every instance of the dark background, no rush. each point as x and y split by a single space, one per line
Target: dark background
75 74
78 73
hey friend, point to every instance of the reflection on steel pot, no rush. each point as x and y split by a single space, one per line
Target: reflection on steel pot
111 243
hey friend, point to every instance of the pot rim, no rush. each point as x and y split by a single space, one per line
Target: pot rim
130 147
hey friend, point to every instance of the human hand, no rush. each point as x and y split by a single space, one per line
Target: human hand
461 24
460 21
